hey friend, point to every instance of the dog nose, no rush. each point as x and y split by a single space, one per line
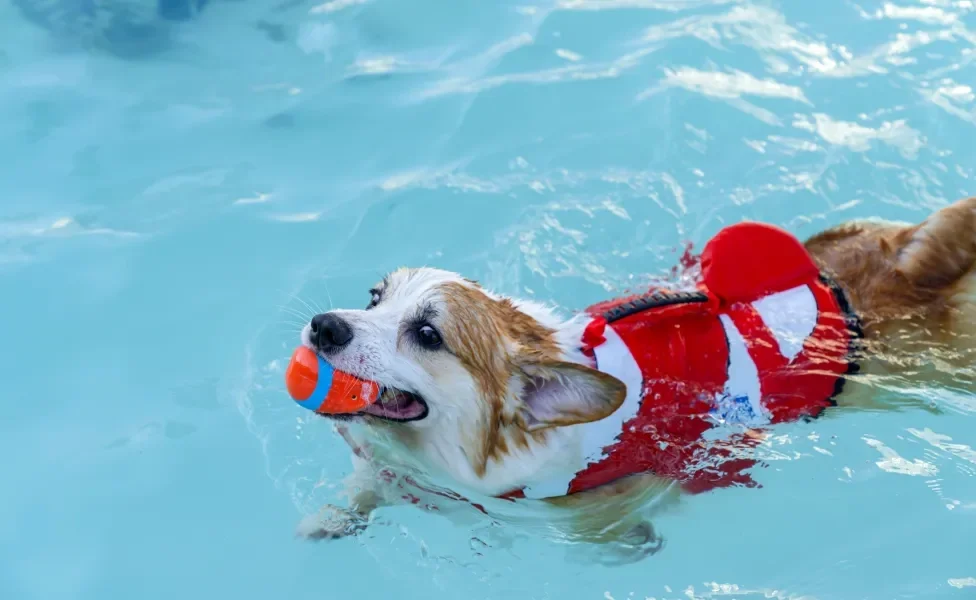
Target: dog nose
329 332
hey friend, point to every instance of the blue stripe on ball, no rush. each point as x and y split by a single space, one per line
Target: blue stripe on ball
322 386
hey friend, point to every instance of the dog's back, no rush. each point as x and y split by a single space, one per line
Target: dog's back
912 285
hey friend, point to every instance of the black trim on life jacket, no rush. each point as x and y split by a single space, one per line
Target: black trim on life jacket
856 329
653 300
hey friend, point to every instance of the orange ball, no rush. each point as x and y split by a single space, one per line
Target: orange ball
314 384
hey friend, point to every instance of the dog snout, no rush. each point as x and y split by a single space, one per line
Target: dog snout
329 332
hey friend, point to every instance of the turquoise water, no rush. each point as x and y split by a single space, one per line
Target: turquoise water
165 214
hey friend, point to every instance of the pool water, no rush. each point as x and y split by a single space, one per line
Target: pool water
167 213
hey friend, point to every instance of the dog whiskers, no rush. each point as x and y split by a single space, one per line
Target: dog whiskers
295 312
307 305
292 328
329 295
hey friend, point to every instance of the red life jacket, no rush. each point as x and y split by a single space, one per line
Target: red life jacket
765 339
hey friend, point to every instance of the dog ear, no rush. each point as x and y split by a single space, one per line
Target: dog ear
556 394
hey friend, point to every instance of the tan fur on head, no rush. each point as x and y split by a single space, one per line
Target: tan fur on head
488 334
502 347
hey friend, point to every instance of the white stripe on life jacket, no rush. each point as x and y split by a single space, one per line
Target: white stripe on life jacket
741 400
791 316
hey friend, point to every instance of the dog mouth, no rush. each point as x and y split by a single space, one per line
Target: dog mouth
397 406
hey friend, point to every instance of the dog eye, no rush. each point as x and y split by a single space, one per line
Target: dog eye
428 337
374 299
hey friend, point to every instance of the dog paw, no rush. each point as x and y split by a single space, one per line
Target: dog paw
634 546
331 523
644 538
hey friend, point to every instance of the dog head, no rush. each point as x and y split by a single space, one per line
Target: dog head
463 368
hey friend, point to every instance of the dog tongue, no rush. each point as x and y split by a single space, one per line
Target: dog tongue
315 385
398 406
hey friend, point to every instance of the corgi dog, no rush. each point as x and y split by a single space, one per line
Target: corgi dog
642 400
